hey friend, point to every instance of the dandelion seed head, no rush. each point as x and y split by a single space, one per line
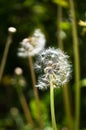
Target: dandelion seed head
53 62
33 45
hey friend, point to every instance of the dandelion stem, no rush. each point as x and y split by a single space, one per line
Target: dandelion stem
36 93
52 104
3 62
60 44
65 88
67 107
26 109
77 67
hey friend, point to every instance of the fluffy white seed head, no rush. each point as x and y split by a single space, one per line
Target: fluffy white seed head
53 62
33 45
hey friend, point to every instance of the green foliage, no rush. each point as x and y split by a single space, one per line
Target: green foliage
44 110
83 83
65 25
63 3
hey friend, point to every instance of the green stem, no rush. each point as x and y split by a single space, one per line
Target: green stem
60 43
3 62
65 88
77 67
52 104
67 107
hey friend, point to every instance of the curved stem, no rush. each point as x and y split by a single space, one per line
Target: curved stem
52 104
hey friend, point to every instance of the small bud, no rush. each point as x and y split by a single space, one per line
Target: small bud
14 111
18 71
11 29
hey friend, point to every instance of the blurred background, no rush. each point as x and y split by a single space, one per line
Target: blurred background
25 16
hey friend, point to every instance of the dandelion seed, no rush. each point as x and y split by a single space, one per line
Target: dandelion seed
53 62
33 45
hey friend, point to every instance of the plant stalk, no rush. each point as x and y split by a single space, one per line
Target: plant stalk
59 16
67 107
77 66
65 88
52 103
3 62
36 93
26 109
